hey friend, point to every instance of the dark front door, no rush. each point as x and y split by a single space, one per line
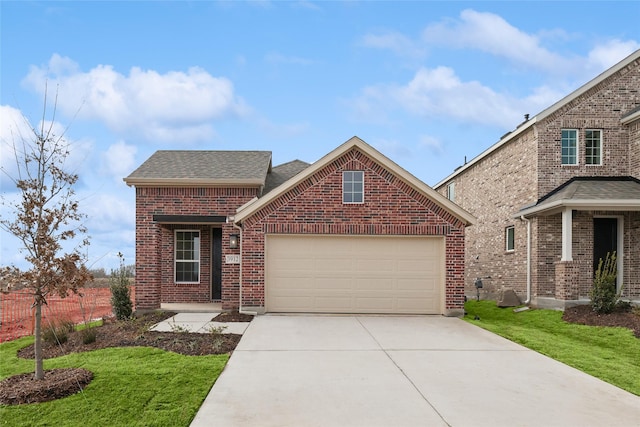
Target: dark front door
216 264
605 239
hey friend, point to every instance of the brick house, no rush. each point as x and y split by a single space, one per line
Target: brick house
350 233
556 194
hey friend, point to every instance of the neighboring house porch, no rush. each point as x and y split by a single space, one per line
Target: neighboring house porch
577 225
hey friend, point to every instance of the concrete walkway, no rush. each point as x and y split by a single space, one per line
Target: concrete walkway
401 371
198 323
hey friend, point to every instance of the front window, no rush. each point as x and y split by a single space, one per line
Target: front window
187 259
352 187
569 147
593 147
510 239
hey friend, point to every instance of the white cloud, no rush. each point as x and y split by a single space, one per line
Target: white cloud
108 212
609 53
434 145
173 107
394 41
439 93
17 133
119 160
488 32
13 130
278 58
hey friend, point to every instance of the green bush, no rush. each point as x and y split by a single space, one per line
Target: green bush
604 297
89 335
120 292
57 331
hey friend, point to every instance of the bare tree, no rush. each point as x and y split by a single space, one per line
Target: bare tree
45 217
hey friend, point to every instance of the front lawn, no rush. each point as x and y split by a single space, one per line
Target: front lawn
132 386
611 354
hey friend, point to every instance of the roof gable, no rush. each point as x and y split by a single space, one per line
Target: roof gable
606 193
356 143
189 168
521 128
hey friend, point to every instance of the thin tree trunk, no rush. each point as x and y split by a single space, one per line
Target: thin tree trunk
38 344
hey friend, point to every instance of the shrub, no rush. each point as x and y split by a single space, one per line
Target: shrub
603 293
120 292
57 331
88 335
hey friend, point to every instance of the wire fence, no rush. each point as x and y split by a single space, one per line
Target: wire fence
17 315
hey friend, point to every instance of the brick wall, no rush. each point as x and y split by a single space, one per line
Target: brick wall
155 282
497 186
494 189
315 206
601 107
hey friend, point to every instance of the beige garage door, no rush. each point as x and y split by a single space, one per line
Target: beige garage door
349 274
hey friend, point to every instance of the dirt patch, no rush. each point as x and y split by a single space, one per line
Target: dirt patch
24 389
233 316
584 315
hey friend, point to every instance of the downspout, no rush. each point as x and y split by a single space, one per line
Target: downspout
240 310
528 221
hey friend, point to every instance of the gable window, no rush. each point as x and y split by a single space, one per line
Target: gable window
569 147
451 191
593 147
510 238
353 187
187 256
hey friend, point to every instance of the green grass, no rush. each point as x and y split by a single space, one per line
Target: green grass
132 386
611 354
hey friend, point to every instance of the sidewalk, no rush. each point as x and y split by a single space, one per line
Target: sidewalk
199 323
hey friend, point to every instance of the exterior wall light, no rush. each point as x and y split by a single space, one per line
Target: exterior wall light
234 241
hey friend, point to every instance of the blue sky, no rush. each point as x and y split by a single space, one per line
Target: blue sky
426 83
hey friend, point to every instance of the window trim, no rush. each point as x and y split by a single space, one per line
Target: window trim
352 193
197 248
599 148
512 229
577 147
451 191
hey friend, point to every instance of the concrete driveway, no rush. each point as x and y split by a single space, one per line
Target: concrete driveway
401 371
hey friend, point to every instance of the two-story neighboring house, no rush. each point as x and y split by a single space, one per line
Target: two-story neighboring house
558 193
350 233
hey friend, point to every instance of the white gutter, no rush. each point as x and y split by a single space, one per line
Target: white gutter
528 258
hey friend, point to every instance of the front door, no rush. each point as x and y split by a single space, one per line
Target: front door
605 239
216 264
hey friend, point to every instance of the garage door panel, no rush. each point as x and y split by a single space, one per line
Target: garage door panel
294 283
354 274
322 283
372 284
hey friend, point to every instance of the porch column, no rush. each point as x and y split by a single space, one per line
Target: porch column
567 234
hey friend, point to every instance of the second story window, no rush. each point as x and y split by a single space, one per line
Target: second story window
353 187
593 147
569 146
451 191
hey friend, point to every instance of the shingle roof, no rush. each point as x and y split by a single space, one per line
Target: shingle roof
588 192
225 167
281 173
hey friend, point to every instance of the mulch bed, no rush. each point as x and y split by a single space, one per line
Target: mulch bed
57 383
584 315
60 383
